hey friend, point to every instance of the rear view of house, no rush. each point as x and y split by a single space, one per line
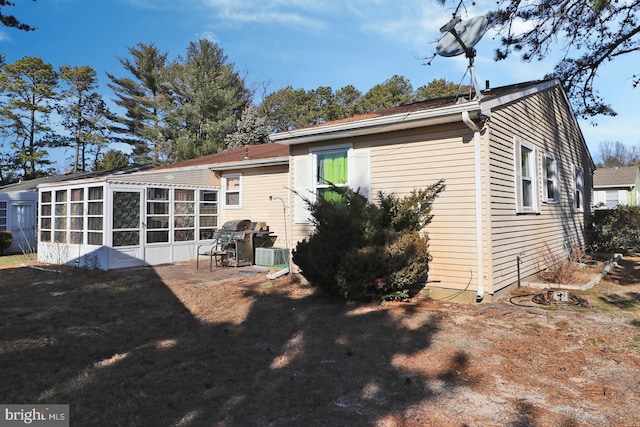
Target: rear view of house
516 170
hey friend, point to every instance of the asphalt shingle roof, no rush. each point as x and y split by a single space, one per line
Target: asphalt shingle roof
624 176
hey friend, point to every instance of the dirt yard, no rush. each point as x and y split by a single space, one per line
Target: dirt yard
169 346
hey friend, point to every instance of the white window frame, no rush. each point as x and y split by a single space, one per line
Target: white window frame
531 180
225 179
578 189
550 177
342 148
305 167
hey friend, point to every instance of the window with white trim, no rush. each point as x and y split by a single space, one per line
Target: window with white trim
340 164
526 178
232 191
95 215
46 213
578 190
60 217
184 220
158 215
612 199
208 219
550 166
3 215
331 168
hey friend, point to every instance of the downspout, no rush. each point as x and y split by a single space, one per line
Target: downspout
466 119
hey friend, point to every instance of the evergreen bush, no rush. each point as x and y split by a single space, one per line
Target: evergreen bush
365 251
5 240
616 230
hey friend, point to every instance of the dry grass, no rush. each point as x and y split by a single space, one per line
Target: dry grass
140 348
16 259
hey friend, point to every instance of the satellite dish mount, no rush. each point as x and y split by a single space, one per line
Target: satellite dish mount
461 38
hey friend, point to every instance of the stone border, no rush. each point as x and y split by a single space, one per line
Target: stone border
596 279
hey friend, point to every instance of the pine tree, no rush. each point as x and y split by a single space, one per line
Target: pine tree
30 87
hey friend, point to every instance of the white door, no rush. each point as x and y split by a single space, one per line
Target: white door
127 249
23 227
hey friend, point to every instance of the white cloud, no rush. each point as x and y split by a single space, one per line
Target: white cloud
298 13
208 35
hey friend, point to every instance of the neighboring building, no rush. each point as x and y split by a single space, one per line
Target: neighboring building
516 168
18 215
158 215
18 210
616 186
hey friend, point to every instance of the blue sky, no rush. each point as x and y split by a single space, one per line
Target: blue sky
302 43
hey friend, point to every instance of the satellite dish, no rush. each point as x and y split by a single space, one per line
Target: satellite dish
461 37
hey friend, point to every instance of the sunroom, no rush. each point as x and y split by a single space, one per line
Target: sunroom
115 223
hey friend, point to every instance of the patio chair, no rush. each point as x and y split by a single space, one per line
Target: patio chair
214 251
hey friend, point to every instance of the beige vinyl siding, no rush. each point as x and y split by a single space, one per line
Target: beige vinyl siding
408 160
257 185
418 159
298 231
545 122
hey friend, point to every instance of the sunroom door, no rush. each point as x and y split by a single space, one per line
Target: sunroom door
127 247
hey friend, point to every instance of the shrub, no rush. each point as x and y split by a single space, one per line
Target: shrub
616 230
363 251
5 240
560 269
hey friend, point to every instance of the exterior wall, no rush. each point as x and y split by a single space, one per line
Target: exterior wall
18 215
257 185
545 122
403 161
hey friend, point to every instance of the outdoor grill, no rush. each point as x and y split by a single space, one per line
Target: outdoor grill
239 238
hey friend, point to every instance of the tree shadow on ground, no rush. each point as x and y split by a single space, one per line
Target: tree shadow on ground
625 301
626 273
123 349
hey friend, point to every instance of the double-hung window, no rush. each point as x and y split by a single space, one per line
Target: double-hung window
526 178
232 191
339 165
578 190
550 165
331 169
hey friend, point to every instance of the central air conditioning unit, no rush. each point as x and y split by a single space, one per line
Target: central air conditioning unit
270 257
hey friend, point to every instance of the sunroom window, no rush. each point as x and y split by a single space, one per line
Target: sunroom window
95 215
208 218
60 218
157 215
184 209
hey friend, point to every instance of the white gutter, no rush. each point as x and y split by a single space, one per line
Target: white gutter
365 126
243 164
466 119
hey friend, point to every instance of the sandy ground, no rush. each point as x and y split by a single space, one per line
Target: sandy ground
288 356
